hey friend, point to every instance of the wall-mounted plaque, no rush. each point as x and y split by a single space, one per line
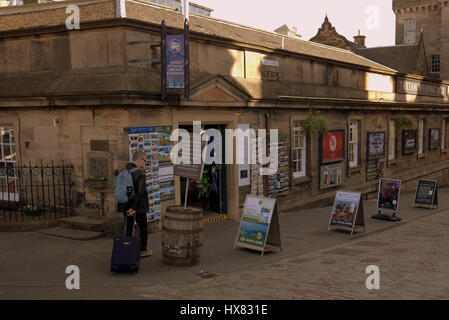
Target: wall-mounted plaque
332 175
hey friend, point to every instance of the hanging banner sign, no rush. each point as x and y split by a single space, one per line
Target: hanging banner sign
175 61
426 194
347 210
259 225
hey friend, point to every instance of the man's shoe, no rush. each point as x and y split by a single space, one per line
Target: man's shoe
146 253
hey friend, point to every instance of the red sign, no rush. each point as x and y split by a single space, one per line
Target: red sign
332 146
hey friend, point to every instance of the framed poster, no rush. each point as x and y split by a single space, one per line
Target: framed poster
409 141
388 197
332 175
375 145
347 210
434 138
332 146
426 193
375 169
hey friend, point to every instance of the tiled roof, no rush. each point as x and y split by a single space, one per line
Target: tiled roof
402 58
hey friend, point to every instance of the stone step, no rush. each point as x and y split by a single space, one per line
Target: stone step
72 234
86 223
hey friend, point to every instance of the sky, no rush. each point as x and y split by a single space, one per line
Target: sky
374 18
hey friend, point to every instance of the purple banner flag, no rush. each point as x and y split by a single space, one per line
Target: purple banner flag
175 62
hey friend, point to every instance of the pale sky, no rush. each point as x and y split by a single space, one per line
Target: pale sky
374 18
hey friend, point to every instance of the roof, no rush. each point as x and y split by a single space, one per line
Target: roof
402 58
327 34
253 36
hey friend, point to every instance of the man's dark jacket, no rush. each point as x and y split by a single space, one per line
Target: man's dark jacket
140 201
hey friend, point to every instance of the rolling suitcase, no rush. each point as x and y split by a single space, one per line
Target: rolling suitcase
126 253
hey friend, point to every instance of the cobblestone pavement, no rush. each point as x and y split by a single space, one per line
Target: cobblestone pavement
413 259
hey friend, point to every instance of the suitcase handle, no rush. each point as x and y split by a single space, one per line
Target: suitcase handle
126 224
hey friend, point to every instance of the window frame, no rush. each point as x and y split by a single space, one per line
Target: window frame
409 32
356 152
392 141
7 180
421 136
434 62
294 150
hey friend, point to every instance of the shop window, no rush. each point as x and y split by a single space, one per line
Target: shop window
354 141
435 65
8 179
421 136
299 157
392 140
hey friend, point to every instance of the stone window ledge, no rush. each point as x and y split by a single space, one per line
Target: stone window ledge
297 181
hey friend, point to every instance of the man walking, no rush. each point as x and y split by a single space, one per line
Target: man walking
137 205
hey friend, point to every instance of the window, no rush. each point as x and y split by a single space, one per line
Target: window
392 140
8 179
435 66
443 134
409 31
353 142
421 136
299 151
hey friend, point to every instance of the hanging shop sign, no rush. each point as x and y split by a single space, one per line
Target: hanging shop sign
332 146
259 225
426 194
376 145
192 170
347 211
434 138
175 53
332 175
408 141
155 142
175 60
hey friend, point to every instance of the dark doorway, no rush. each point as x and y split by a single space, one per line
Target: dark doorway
210 193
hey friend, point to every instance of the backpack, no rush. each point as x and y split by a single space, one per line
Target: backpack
124 186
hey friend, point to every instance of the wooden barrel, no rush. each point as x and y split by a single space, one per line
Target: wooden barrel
182 236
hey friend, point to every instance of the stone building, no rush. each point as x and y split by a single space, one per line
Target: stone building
78 95
405 58
432 17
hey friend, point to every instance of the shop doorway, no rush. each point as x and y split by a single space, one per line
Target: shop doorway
210 193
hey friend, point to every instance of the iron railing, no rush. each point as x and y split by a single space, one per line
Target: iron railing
35 192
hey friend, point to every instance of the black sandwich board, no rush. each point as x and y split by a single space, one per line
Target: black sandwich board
426 195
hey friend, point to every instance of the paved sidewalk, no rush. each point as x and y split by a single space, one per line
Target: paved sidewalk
33 265
413 261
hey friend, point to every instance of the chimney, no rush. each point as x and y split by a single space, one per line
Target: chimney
359 39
